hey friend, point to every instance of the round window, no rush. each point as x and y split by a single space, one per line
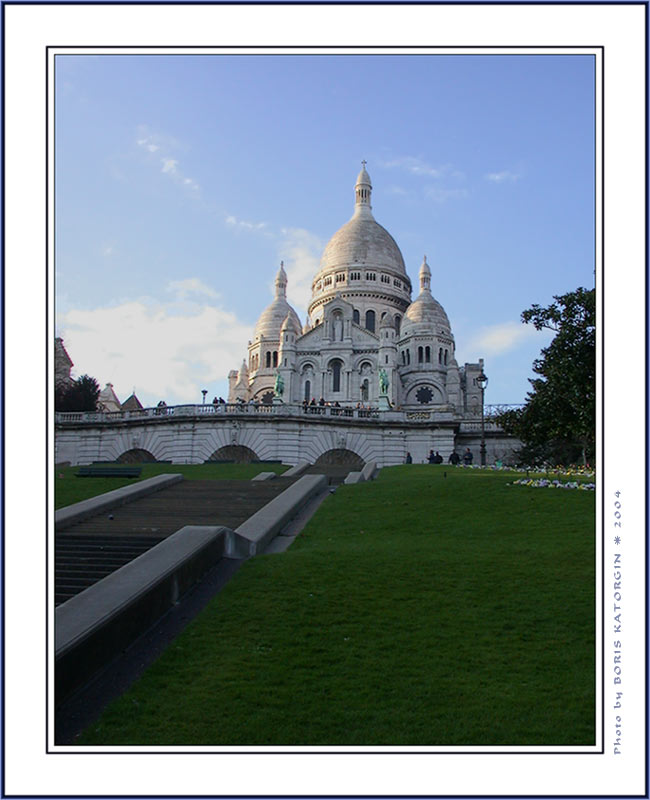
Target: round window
424 395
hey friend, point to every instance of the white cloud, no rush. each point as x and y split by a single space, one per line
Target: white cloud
495 340
162 147
505 176
150 345
182 289
440 195
243 224
301 251
148 145
416 166
446 174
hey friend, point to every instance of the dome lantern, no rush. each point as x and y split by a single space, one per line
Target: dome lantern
362 192
281 282
425 276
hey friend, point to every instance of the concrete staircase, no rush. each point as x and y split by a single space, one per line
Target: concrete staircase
87 551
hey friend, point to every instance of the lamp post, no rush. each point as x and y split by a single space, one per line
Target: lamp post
204 392
482 382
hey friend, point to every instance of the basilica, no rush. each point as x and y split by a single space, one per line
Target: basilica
365 340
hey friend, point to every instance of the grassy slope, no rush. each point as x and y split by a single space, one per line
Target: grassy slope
69 489
416 609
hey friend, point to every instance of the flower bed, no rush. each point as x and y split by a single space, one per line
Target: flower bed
542 483
582 472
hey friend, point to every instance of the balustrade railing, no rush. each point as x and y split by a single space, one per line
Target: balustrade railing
280 409
218 409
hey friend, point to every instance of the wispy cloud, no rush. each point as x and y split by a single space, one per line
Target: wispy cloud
191 286
505 176
161 147
170 165
300 250
447 178
244 224
416 166
441 195
495 340
163 351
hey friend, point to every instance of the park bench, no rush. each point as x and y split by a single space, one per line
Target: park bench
109 471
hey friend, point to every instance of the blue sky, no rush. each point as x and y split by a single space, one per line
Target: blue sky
182 181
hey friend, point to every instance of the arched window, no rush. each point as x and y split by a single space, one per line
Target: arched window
355 316
446 355
408 356
370 321
440 356
398 323
336 376
307 394
403 356
268 358
275 358
420 355
427 354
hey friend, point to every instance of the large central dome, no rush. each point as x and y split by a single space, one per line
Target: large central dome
362 241
362 260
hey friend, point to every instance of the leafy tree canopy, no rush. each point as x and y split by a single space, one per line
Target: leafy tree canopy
80 395
558 420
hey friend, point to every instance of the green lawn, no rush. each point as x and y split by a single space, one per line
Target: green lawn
417 609
69 489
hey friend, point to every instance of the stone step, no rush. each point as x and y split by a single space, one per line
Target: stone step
91 549
335 473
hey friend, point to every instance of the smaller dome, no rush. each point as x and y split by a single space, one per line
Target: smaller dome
425 309
272 319
387 321
289 324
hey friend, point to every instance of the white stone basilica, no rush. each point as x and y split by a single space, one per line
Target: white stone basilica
364 341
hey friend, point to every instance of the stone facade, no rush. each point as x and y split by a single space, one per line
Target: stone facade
195 434
361 325
370 376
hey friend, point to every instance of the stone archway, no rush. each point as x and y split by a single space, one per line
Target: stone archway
234 452
135 456
341 457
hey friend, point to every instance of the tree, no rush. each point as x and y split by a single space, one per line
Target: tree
558 421
80 395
